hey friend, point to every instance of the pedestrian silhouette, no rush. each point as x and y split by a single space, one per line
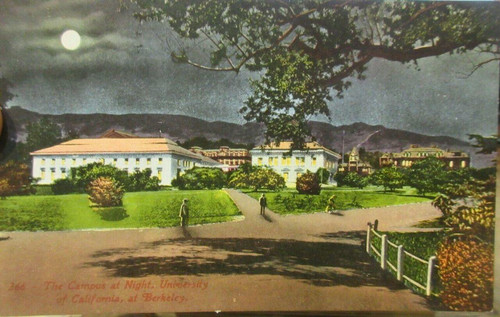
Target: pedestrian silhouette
330 207
263 204
184 213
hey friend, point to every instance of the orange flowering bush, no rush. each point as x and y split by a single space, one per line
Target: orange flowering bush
104 192
466 271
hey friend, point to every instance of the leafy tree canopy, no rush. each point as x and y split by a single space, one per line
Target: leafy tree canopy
307 50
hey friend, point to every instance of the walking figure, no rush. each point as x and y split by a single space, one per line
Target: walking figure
184 213
263 204
330 207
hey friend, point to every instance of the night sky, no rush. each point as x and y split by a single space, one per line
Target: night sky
124 67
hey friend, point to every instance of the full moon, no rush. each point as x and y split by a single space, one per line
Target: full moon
70 40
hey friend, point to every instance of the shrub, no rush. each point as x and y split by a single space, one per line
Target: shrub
256 178
388 177
353 179
201 178
308 183
142 181
82 176
15 179
105 192
466 271
62 186
323 175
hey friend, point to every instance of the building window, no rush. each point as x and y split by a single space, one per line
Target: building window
52 174
73 162
115 161
84 161
101 160
270 161
63 161
464 164
53 161
158 174
451 164
259 161
43 162
285 176
126 162
148 161
298 175
313 161
137 160
160 160
178 162
42 173
63 172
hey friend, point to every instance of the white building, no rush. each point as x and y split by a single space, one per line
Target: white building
294 164
164 157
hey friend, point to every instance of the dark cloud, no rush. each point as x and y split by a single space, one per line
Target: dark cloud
123 66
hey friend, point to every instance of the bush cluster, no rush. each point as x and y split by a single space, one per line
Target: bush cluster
200 178
256 177
81 177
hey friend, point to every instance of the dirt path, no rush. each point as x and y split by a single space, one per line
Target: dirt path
309 262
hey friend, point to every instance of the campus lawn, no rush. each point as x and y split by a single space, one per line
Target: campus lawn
290 202
139 210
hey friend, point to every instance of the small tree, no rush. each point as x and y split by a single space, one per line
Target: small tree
256 177
105 192
388 177
323 175
15 179
308 183
427 176
83 175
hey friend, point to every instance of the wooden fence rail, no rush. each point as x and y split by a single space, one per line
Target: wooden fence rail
398 267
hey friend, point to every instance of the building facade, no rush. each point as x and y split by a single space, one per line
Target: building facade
164 157
231 158
406 158
293 164
354 164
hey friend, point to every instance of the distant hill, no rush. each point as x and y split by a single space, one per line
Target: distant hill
181 128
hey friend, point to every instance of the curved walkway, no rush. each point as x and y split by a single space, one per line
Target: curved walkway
311 262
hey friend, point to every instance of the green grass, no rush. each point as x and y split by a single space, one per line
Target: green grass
421 244
139 210
290 202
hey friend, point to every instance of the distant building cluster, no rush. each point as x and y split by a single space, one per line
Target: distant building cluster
231 158
406 158
354 164
167 160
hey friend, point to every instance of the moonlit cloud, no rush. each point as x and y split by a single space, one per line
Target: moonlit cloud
122 66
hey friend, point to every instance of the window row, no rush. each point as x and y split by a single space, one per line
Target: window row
73 161
285 161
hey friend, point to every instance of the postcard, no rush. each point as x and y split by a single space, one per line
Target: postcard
247 156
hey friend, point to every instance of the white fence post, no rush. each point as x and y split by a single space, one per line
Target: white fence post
400 263
368 238
383 252
430 270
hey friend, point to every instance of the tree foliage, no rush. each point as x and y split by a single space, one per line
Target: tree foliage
388 177
466 271
41 134
15 179
427 176
351 179
308 50
256 177
308 183
323 175
200 178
